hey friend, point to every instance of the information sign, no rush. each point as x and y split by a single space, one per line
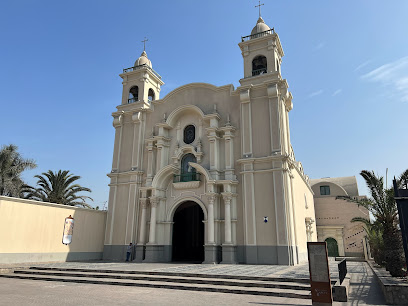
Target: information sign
319 273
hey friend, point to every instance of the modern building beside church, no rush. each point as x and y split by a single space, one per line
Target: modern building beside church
206 173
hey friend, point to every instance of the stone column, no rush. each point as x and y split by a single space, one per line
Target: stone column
211 249
210 222
154 252
140 247
150 162
152 233
228 249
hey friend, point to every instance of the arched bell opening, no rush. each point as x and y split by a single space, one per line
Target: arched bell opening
332 247
133 94
150 95
188 233
259 65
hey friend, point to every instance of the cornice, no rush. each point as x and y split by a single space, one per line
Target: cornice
228 87
262 159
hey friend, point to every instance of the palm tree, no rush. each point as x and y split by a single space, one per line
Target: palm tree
384 209
58 187
375 238
12 165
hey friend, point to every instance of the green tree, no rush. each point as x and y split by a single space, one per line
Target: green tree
12 165
58 187
375 238
383 207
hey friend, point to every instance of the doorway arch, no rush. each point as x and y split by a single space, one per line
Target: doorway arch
332 247
188 233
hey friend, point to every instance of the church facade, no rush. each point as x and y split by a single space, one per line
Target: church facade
206 173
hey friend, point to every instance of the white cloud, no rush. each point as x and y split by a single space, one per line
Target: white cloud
337 92
316 93
394 76
362 65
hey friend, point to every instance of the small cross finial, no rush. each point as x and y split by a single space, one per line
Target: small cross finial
144 44
259 7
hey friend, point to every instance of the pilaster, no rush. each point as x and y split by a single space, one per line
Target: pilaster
246 123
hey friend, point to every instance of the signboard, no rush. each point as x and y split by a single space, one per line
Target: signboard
319 273
68 230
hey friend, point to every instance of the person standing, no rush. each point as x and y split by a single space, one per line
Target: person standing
128 251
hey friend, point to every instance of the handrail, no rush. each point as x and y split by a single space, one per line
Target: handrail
256 35
259 71
132 100
140 67
187 177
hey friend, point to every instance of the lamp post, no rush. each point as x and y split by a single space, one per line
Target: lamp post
401 197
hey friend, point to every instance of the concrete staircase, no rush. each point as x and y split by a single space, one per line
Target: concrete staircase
266 286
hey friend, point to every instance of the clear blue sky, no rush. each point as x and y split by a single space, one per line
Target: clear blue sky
346 63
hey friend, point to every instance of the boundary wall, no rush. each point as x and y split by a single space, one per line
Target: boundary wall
31 231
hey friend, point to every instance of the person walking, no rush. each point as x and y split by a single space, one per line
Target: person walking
128 251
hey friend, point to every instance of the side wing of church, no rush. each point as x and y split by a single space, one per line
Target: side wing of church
208 174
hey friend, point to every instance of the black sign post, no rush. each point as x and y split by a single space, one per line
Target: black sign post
401 197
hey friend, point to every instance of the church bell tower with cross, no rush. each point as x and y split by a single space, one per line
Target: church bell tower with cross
140 82
265 143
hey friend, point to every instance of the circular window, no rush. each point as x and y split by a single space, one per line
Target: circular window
189 134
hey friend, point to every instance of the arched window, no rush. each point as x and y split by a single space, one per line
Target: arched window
150 95
189 134
259 65
188 173
133 94
277 65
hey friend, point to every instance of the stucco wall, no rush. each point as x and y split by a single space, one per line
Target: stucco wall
31 231
302 196
333 213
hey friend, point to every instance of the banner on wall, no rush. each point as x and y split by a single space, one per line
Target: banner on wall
68 230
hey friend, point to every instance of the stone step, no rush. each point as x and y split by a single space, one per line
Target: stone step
289 293
174 279
181 274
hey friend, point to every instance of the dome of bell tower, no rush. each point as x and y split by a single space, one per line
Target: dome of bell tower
260 27
143 60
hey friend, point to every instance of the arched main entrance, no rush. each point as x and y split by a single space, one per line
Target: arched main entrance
332 247
188 233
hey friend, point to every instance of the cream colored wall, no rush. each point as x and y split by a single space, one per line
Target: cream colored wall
334 190
202 95
332 212
301 190
32 231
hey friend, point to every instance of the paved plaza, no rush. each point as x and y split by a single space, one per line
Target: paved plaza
299 271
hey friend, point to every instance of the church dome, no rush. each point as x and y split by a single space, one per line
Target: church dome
260 27
143 60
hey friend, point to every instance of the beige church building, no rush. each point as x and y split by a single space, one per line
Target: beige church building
206 173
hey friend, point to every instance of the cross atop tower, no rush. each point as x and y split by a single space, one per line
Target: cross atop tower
259 7
144 44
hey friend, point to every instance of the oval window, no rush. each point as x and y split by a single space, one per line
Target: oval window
189 134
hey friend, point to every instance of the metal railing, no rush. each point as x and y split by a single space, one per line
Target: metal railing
132 100
259 71
140 67
187 177
257 35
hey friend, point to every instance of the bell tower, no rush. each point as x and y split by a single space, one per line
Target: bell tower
262 51
141 84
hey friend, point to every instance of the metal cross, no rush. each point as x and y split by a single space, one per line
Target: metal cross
259 7
144 44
